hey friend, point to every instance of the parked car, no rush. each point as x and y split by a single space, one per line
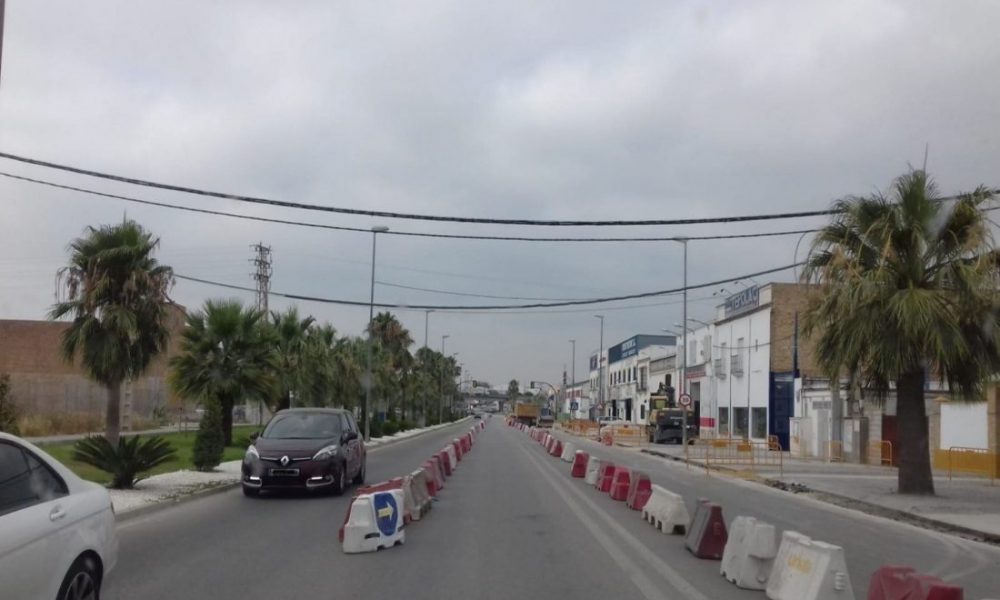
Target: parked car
316 449
58 531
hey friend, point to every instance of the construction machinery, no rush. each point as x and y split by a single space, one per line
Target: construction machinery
666 419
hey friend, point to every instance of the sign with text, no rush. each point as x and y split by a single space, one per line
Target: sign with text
744 301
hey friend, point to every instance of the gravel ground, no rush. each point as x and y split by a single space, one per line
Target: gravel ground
170 486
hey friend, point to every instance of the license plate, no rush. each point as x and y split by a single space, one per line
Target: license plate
284 472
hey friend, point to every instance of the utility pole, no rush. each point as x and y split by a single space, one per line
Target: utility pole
370 379
441 399
600 366
684 360
3 9
427 316
572 370
262 273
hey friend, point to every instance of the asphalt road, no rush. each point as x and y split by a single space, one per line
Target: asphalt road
510 523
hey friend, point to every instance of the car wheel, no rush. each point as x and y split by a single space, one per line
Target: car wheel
82 582
340 483
359 479
251 492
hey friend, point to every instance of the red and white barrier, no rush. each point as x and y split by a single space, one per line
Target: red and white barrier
373 522
904 583
593 471
666 511
639 491
580 460
620 482
707 537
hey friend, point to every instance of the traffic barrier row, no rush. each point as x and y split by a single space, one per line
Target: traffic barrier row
797 568
379 513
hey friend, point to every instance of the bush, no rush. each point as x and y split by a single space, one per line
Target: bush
209 443
133 456
375 429
405 425
390 428
8 410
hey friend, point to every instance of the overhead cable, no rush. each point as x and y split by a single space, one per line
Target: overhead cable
412 216
501 238
495 306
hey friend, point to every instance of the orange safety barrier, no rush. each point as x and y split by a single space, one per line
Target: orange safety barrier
976 461
735 451
880 453
628 434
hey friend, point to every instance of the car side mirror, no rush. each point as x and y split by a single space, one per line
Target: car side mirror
350 435
254 436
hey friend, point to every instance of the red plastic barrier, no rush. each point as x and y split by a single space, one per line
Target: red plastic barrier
465 443
393 484
580 460
457 445
556 449
639 491
446 461
438 469
607 476
904 583
433 477
707 536
621 480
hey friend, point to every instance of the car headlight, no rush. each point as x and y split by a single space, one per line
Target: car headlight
251 454
327 452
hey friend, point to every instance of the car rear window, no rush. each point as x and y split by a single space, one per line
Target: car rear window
303 426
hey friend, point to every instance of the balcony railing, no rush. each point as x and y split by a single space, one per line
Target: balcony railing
719 366
736 364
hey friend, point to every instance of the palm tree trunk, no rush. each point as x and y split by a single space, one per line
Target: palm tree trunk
227 420
915 475
113 414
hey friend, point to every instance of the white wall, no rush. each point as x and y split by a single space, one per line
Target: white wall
737 391
964 425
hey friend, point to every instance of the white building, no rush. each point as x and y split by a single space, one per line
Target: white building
625 386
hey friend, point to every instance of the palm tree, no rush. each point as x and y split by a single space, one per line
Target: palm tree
316 371
226 354
116 295
348 369
394 340
290 331
907 286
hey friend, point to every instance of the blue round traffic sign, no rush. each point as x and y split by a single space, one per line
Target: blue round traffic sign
386 513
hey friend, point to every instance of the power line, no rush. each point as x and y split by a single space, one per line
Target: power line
466 294
501 238
411 216
497 306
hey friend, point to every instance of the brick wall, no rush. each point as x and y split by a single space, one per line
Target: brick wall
786 300
43 382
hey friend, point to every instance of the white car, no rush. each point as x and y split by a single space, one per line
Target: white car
57 531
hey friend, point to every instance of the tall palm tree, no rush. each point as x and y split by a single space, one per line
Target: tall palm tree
227 354
395 341
290 331
116 294
348 369
316 371
907 285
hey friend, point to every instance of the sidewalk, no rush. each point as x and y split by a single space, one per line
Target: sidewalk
964 503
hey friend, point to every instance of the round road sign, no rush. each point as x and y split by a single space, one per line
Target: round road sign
685 400
386 513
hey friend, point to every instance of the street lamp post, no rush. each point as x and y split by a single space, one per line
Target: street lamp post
369 382
684 384
600 366
427 315
572 370
441 399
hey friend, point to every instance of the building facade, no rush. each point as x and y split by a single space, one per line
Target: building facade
628 398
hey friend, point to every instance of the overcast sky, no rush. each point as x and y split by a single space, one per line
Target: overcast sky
524 109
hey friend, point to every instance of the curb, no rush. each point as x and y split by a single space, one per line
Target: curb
223 487
854 504
156 506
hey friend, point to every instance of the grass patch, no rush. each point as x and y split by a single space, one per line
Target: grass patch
183 442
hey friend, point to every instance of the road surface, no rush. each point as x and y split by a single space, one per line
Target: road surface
510 523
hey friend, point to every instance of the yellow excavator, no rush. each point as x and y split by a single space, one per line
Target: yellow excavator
666 420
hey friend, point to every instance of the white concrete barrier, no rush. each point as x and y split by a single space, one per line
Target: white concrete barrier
452 457
749 554
806 569
375 522
666 511
593 470
568 452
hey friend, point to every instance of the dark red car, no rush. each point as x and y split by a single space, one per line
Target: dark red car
316 449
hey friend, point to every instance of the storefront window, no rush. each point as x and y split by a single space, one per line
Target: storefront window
724 421
759 421
740 416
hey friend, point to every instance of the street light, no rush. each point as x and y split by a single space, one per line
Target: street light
441 398
371 318
676 324
600 366
427 315
700 321
572 370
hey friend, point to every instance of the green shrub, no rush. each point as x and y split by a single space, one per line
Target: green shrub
405 425
8 410
390 428
209 443
133 456
375 429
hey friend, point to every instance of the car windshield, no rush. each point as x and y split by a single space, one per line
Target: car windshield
303 426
